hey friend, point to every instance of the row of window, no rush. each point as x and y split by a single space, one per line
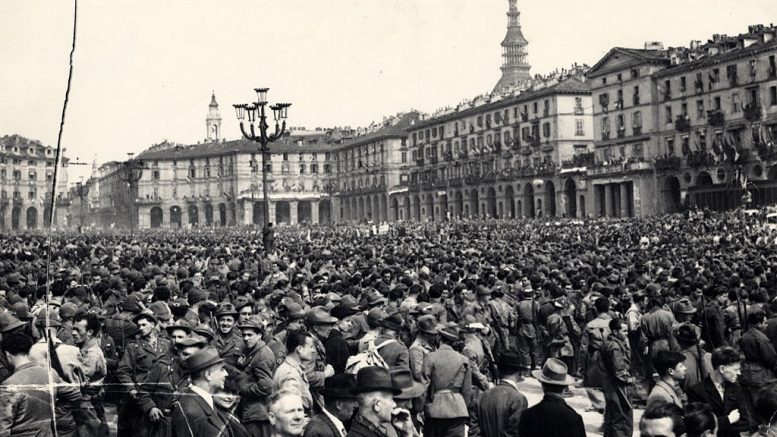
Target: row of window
30 163
30 150
16 175
31 195
488 120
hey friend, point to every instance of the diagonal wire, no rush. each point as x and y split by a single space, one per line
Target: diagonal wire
52 212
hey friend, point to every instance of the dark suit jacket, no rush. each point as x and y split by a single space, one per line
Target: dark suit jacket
536 422
321 426
733 399
193 417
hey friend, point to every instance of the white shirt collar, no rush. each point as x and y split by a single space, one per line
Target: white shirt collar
512 383
336 421
203 394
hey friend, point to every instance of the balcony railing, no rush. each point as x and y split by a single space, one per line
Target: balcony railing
753 112
621 131
663 163
698 86
18 200
587 159
455 182
772 72
419 162
682 123
605 136
432 160
716 118
637 130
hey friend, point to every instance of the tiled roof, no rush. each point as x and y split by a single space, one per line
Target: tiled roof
639 56
720 58
309 144
572 85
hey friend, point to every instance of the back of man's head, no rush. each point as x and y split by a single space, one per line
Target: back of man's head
17 343
666 360
662 419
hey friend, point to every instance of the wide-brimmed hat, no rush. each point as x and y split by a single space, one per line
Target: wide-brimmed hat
205 331
403 380
192 340
341 311
374 378
145 314
449 331
509 358
54 321
686 334
226 309
202 359
132 304
428 324
253 322
181 324
68 310
319 316
8 322
340 386
684 306
21 310
554 371
393 322
294 311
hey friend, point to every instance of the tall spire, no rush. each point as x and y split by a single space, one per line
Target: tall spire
515 68
213 121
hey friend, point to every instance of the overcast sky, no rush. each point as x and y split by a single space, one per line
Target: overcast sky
144 69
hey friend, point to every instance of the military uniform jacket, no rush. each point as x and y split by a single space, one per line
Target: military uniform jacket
526 317
259 368
450 383
161 385
121 329
395 354
500 409
137 361
230 347
617 352
760 358
419 352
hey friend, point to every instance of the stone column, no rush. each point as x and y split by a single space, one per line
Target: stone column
616 200
201 215
248 212
7 216
271 211
625 201
607 201
293 212
314 211
165 216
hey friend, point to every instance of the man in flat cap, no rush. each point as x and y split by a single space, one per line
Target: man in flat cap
258 365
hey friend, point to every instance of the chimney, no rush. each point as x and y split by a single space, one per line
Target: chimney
654 45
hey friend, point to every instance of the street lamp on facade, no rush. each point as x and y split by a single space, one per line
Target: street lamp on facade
257 119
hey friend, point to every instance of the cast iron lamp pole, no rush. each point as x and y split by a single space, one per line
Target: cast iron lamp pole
257 119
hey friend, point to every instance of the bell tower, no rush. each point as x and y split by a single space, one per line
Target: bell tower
515 68
213 121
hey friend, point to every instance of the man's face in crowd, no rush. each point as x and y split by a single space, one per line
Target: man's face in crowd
245 313
288 416
622 332
678 373
177 335
188 351
322 331
657 427
146 327
307 351
164 323
226 323
80 334
218 375
251 337
731 372
346 324
722 299
345 409
294 325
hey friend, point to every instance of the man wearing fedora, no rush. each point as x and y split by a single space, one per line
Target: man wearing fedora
319 323
500 408
8 325
536 421
425 343
375 392
135 365
339 407
194 414
258 365
450 387
411 392
390 348
228 341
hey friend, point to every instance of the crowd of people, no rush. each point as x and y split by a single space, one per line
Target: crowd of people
424 329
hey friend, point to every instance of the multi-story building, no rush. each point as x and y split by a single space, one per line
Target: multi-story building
26 178
684 126
498 157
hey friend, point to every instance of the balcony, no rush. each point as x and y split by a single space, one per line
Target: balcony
4 202
427 185
454 182
524 116
665 163
637 130
419 162
448 156
667 95
515 144
619 165
587 159
535 141
579 110
716 118
753 111
619 104
733 81
440 184
682 123
605 135
772 72
432 160
698 86
700 159
18 201
621 131
544 169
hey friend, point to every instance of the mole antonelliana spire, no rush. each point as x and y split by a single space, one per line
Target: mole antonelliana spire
515 68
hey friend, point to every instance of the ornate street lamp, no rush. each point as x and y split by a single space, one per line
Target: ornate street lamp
82 190
131 171
255 113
